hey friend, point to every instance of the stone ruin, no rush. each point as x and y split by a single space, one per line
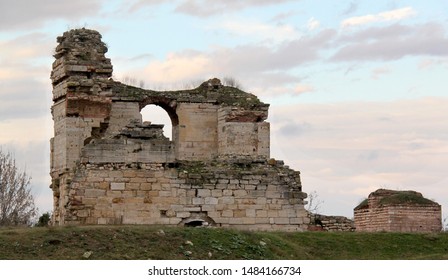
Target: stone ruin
398 211
319 222
109 167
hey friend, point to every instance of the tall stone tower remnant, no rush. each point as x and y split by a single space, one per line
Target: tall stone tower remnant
109 167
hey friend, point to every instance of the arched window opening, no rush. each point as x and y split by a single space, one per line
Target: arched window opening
157 115
196 223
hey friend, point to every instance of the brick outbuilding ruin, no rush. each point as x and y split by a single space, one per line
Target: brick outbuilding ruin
109 167
398 211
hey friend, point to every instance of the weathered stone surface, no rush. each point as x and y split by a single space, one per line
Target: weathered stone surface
109 167
330 223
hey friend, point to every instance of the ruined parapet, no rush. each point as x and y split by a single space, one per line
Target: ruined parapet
398 211
320 222
109 167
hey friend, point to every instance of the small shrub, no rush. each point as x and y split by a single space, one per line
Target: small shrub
43 220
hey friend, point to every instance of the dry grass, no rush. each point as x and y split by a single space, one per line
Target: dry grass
152 242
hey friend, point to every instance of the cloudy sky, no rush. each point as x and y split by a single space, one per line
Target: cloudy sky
358 89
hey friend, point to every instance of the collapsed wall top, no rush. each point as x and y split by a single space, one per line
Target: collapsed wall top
80 58
90 109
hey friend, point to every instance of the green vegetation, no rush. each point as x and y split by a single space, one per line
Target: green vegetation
156 242
405 197
363 204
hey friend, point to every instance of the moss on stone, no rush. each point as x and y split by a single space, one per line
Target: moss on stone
405 198
363 205
228 96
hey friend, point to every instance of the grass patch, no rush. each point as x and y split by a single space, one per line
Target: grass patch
176 243
405 197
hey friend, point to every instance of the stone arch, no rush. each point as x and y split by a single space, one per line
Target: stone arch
197 219
169 105
156 115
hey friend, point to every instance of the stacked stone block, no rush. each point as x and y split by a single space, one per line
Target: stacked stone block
320 222
260 199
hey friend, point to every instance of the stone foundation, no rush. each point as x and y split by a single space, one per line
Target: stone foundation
254 196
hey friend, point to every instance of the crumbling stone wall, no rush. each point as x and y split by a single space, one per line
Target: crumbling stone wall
398 211
320 222
109 167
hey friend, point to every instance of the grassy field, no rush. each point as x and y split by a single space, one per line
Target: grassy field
151 242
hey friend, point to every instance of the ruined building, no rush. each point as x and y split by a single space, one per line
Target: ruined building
109 167
399 211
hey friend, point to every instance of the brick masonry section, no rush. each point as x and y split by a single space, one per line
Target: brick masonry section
398 211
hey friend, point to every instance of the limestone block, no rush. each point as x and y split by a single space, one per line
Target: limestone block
240 193
223 221
208 207
204 193
117 186
102 221
262 220
211 200
261 214
281 221
198 200
174 221
165 193
242 221
227 192
192 209
227 213
250 213
217 193
226 200
239 213
94 193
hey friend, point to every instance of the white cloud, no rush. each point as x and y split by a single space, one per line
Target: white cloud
428 63
397 14
393 15
313 24
345 150
380 71
23 14
180 67
302 88
393 42
283 16
27 46
353 6
255 63
261 31
203 8
19 130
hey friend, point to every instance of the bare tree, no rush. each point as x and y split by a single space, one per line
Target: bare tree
445 224
314 203
16 201
231 82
